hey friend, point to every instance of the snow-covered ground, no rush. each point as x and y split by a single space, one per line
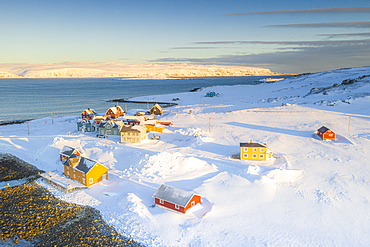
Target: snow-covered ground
314 193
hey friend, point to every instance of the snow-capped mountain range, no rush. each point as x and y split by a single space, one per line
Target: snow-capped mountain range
125 70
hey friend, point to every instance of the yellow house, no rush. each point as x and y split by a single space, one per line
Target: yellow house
154 128
254 151
133 134
84 171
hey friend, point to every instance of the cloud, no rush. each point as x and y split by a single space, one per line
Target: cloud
346 35
326 10
304 59
192 48
290 43
364 24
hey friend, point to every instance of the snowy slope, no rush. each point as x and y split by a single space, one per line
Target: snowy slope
313 193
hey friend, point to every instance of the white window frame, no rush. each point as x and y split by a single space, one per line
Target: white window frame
245 149
254 149
262 156
254 156
91 180
161 201
245 155
262 149
177 206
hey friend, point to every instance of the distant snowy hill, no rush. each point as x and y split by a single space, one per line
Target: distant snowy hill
126 70
313 193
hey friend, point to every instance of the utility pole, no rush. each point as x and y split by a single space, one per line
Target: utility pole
349 123
209 124
28 127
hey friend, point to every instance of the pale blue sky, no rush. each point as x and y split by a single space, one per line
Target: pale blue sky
284 36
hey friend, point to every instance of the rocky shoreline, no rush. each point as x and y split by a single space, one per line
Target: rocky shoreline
31 213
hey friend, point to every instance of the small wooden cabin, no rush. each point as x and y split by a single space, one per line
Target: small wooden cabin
156 110
326 134
254 151
115 112
175 199
67 152
84 171
88 114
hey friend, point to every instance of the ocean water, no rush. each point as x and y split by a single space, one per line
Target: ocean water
23 99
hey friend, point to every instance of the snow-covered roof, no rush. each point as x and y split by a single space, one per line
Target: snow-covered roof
104 124
323 129
115 109
67 151
89 111
132 128
173 195
84 121
85 164
253 144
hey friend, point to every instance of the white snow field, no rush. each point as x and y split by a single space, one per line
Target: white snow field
314 193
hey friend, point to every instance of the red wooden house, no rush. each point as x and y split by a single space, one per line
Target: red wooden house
175 199
326 134
88 114
115 112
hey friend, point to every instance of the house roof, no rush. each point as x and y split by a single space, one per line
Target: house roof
115 109
156 108
173 195
84 164
67 151
89 111
323 129
253 144
84 121
132 128
104 124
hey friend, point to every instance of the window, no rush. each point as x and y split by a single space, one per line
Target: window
91 180
245 149
261 156
74 175
245 155
262 150
176 206
68 173
254 156
192 203
254 149
161 201
83 180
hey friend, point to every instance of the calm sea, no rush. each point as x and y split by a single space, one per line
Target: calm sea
23 99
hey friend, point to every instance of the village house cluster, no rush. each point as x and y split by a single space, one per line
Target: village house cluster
131 129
